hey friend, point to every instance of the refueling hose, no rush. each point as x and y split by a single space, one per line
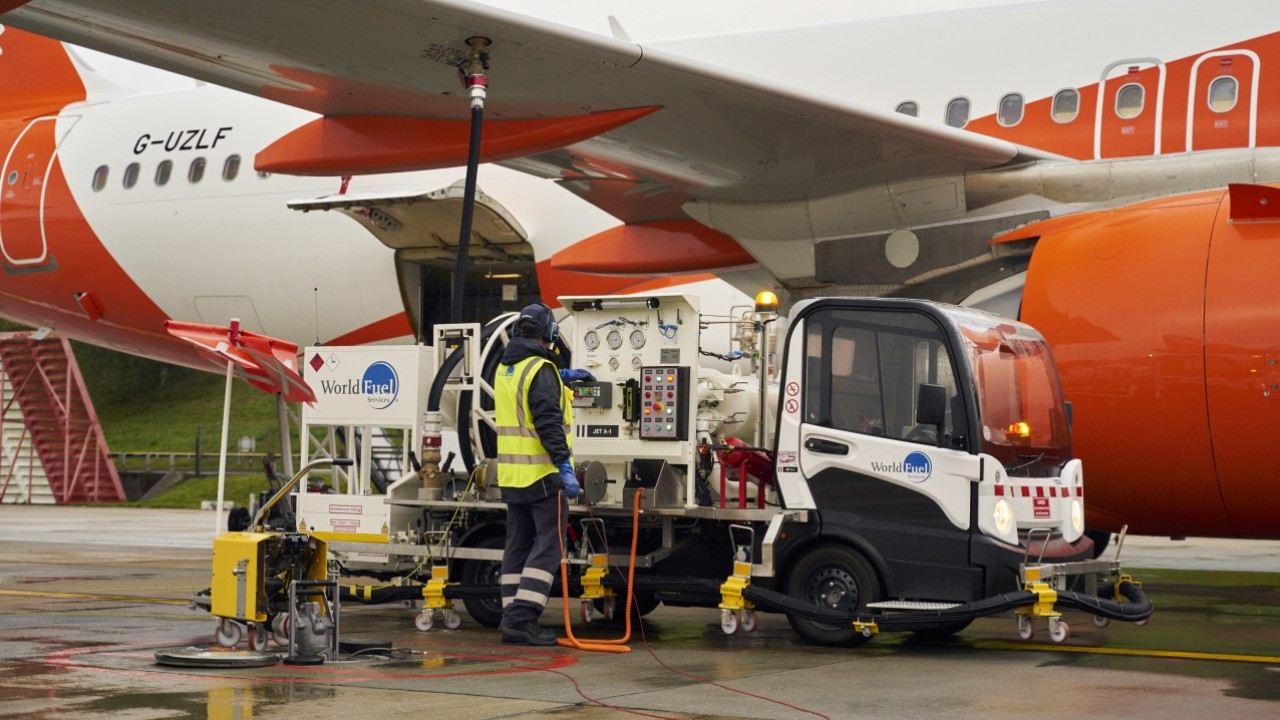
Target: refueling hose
611 646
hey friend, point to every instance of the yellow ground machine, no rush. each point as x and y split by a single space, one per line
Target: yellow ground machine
268 583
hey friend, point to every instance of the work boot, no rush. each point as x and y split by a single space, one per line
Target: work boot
528 633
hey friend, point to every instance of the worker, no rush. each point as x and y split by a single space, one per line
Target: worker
535 470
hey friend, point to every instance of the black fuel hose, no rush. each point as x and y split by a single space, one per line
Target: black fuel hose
703 590
1137 608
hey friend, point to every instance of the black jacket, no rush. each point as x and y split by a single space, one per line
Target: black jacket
544 402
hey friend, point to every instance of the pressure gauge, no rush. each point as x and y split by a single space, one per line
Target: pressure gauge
613 363
591 340
637 339
614 339
636 362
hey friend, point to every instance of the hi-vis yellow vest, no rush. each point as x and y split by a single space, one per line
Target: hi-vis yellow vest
522 460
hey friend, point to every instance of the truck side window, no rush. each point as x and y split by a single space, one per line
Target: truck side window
865 369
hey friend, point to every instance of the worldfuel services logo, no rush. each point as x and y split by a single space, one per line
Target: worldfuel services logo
916 466
380 384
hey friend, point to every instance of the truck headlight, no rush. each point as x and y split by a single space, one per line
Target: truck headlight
1077 516
1002 513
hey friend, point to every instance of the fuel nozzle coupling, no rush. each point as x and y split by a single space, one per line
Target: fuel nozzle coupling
433 480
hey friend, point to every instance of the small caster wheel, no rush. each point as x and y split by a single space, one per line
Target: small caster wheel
728 622
424 620
1059 630
584 611
1026 628
1142 622
228 633
1100 622
607 607
452 619
280 629
258 637
749 621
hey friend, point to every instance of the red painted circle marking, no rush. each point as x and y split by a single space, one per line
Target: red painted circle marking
793 406
793 388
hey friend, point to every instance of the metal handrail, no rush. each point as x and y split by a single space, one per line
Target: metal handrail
306 470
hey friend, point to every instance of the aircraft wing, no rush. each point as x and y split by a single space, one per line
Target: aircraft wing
718 136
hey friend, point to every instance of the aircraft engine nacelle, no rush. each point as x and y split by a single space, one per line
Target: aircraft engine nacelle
1164 321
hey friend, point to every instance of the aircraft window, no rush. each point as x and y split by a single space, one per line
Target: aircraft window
958 112
1010 112
1222 93
909 108
1129 101
131 175
263 174
231 168
196 172
100 177
1066 105
13 176
163 171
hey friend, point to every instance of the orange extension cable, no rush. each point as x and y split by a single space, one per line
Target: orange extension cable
611 646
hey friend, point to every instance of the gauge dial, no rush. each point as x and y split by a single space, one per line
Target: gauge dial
613 363
636 362
637 339
614 339
591 340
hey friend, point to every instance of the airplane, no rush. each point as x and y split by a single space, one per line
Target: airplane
1097 168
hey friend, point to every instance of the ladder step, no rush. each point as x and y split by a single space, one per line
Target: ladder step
911 605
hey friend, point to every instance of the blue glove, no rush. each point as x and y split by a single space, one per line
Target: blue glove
571 487
575 374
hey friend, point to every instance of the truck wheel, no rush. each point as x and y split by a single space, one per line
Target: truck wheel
486 611
833 578
641 605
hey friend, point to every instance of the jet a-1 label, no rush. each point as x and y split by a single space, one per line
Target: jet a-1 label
178 140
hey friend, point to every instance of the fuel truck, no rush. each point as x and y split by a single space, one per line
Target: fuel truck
862 465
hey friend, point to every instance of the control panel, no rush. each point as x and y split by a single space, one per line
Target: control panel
664 397
642 406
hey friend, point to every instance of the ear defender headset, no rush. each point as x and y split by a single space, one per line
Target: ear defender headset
553 328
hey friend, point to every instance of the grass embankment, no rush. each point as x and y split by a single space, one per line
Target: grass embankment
150 407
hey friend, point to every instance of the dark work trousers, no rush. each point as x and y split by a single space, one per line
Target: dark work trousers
531 558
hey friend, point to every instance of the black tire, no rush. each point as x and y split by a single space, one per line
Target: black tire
832 577
942 632
486 611
641 605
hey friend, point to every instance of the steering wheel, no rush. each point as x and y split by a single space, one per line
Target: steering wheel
924 434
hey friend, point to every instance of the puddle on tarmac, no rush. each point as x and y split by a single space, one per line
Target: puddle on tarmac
1249 681
228 702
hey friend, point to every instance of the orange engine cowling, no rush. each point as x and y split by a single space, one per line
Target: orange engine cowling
1164 319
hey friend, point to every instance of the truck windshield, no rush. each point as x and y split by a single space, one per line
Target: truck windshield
1020 404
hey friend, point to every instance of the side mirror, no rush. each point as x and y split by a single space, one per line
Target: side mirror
931 406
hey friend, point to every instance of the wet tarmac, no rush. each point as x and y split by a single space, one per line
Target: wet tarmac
89 595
